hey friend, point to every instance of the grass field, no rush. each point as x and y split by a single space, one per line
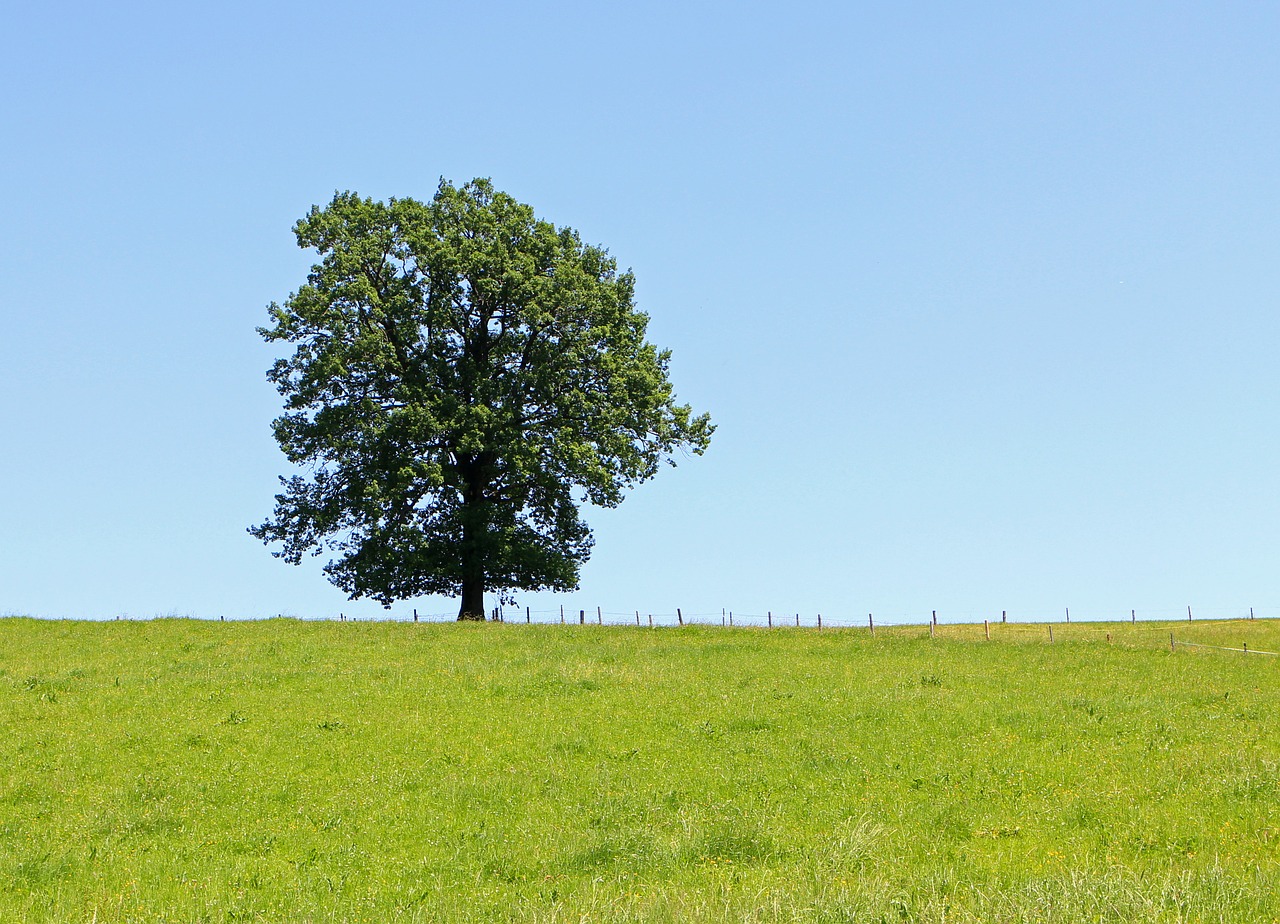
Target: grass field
183 771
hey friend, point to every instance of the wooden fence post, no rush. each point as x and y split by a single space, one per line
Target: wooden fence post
931 629
528 617
415 614
986 627
935 617
679 616
1133 617
731 617
1068 614
722 622
650 620
562 614
1188 614
637 617
1051 632
1002 615
770 619
599 617
582 617
871 624
797 620
1171 641
1250 612
819 622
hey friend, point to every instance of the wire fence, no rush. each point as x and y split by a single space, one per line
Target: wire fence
1246 649
777 619
1146 627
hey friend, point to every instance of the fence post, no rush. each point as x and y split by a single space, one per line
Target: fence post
582 617
931 629
987 629
1171 641
527 616
637 617
679 616
1250 612
1133 617
770 619
562 614
650 620
1246 647
731 617
871 624
1050 632
1188 614
935 617
819 622
599 617
1068 614
1002 615
722 617
415 614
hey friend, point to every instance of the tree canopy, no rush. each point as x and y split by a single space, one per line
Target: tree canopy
464 375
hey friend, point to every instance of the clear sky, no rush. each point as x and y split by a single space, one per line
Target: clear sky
982 297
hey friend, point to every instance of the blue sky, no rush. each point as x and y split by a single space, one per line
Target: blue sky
982 298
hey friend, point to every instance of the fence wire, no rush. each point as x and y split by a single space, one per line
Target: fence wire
1146 620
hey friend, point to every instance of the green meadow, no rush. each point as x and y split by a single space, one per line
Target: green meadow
186 771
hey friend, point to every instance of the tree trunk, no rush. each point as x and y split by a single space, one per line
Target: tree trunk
472 599
474 533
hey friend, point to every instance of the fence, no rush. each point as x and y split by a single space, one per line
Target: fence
770 619
1145 626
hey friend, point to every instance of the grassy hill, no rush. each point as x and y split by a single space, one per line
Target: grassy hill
182 771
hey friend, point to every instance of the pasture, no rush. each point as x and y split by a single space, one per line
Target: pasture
186 771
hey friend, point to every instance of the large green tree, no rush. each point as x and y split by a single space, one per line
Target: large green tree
464 376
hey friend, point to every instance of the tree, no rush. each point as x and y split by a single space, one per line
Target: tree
464 375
